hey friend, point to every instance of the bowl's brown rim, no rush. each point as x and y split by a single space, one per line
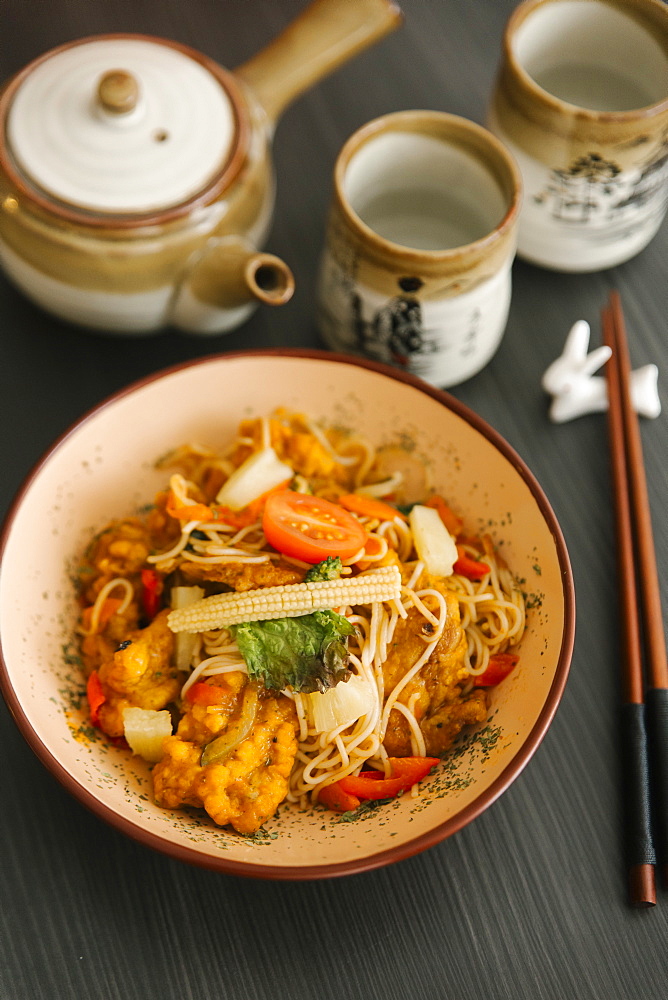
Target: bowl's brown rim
383 857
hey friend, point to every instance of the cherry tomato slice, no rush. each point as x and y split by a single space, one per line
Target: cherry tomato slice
310 528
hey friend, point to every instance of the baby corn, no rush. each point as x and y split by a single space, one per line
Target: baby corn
288 601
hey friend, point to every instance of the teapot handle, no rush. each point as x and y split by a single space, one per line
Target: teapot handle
317 42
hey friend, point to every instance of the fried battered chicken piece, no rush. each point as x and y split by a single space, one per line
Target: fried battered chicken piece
437 688
98 647
246 788
120 550
296 445
140 674
243 576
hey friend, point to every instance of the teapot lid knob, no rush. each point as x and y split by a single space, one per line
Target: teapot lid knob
118 92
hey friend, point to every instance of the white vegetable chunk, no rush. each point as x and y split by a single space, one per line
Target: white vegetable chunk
145 730
434 544
341 705
262 471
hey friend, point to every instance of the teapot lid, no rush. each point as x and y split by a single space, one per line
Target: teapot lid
123 124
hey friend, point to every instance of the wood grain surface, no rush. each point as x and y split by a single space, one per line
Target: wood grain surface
528 902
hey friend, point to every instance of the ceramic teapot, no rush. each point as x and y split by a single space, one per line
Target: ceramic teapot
136 182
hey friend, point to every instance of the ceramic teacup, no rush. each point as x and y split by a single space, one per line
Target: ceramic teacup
581 100
416 270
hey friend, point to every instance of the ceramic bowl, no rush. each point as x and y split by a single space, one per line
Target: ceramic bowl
104 467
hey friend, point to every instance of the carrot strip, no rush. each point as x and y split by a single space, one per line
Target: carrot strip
109 608
188 512
358 503
452 521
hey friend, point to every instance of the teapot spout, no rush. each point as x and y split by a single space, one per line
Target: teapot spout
226 282
268 279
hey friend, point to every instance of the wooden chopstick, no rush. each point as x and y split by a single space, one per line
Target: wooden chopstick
656 659
637 579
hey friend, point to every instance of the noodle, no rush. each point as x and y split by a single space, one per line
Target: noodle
400 695
104 593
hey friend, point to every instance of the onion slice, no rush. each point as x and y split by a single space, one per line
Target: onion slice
262 471
341 705
236 732
434 544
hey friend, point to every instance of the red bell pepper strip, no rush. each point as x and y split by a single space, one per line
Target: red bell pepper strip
466 566
334 797
406 772
201 693
499 666
151 591
96 697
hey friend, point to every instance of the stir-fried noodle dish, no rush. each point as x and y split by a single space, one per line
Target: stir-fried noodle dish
300 617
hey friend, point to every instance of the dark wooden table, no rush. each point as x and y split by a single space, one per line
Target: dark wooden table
530 900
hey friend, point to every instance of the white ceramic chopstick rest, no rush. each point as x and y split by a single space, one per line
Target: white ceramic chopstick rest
575 390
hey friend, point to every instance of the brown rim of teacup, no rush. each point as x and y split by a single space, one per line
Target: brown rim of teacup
70 213
657 11
502 161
